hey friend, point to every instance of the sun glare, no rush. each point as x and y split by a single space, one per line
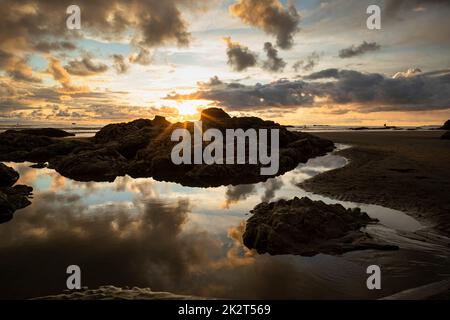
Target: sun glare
187 109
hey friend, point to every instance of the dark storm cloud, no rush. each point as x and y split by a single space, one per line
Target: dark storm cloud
85 66
273 62
45 46
120 63
239 57
361 49
308 63
270 16
369 92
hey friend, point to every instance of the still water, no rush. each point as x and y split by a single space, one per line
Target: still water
146 233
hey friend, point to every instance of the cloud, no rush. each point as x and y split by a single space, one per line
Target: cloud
239 57
85 66
393 7
374 92
407 74
152 23
234 96
45 46
120 64
270 16
367 92
16 67
213 82
63 77
361 49
308 63
143 57
273 62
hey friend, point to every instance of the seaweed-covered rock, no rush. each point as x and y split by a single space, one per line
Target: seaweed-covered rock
446 136
305 227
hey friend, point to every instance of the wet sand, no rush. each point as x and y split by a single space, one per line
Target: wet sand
403 170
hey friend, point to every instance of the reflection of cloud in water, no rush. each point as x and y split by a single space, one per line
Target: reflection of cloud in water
270 187
236 193
148 249
141 232
110 245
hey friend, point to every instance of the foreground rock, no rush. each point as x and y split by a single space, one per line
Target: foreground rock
8 176
305 227
446 136
12 198
114 293
142 148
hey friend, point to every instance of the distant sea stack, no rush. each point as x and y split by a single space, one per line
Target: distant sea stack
142 148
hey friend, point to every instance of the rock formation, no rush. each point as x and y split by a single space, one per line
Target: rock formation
12 197
305 227
142 148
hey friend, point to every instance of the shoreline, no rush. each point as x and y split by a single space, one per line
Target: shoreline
406 171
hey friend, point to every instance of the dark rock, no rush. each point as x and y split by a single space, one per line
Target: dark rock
12 198
6 208
15 145
446 125
446 136
160 122
306 227
18 196
46 132
142 148
8 176
117 131
214 116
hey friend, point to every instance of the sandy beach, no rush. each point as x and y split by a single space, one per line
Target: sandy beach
403 170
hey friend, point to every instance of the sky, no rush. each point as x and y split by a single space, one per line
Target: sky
296 62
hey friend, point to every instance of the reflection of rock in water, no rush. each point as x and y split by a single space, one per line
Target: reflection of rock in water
12 197
115 293
306 227
142 148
